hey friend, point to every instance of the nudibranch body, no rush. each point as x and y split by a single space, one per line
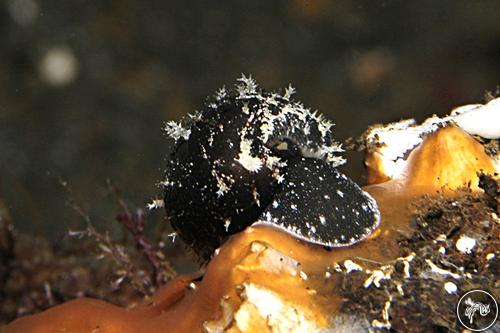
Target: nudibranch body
255 157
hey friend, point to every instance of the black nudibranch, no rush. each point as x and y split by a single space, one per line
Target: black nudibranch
252 157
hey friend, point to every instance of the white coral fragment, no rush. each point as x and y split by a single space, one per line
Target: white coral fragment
477 119
352 266
279 315
440 271
384 323
450 287
465 244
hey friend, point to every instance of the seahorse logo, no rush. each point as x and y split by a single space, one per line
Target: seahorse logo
473 307
477 310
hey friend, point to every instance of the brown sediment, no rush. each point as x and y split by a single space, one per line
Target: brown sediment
417 290
447 159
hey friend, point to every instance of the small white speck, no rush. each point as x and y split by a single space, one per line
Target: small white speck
441 238
275 204
326 196
465 244
351 266
376 275
490 256
221 93
155 204
269 217
438 270
227 223
450 287
328 275
442 250
406 265
322 219
340 193
400 289
289 92
294 207
303 275
256 196
245 108
172 235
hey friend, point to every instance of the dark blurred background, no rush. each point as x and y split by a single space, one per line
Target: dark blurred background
85 86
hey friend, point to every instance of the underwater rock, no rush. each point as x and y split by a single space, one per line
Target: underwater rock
388 146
